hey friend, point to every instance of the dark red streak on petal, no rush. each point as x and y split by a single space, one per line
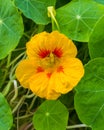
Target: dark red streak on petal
40 69
60 69
58 52
43 53
49 75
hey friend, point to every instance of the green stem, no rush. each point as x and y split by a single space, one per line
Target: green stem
19 49
15 59
32 103
25 116
9 58
19 103
29 96
11 76
7 88
26 35
52 14
54 21
15 91
53 25
76 126
6 71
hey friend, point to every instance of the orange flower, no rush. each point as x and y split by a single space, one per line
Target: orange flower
51 68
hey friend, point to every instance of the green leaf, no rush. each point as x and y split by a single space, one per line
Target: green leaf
100 1
35 9
89 97
6 119
51 115
96 41
77 18
11 27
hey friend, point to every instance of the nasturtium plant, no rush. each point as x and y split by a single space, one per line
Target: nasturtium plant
6 119
96 41
51 64
35 9
77 18
89 97
51 115
11 27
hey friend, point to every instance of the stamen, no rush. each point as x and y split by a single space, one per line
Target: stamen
52 58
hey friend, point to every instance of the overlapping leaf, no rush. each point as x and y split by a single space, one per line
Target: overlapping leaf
11 27
51 115
96 41
77 18
89 98
6 119
35 9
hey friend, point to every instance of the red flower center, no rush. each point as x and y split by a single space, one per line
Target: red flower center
58 52
44 53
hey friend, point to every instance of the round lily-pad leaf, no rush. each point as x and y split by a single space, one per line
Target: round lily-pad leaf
6 119
11 27
96 41
89 97
77 18
51 115
35 9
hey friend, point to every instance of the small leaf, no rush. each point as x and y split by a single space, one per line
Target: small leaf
11 27
96 41
35 9
51 115
77 18
6 119
89 97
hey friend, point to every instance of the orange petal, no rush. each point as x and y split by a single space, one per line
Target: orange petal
65 80
39 84
61 41
36 43
54 42
25 70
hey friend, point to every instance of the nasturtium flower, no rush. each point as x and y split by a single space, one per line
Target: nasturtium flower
51 68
